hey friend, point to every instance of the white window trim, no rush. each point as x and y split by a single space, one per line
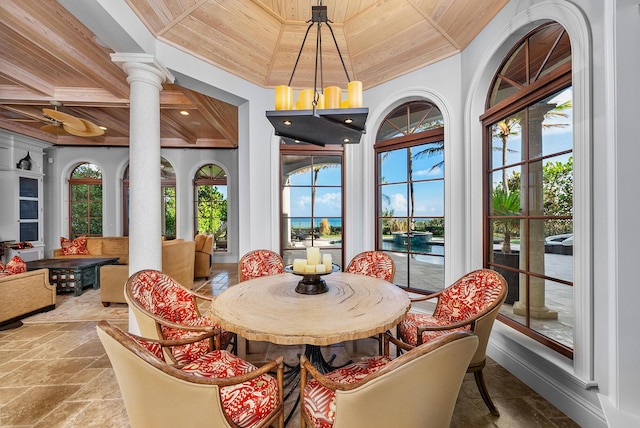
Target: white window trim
574 22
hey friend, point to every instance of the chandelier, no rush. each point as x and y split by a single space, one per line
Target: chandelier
319 118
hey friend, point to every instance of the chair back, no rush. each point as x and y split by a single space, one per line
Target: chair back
377 264
258 263
415 390
155 393
480 294
153 292
156 292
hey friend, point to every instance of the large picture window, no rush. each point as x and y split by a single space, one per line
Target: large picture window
85 201
410 194
529 186
312 201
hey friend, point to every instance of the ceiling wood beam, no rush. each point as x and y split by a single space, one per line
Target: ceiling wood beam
24 78
219 114
178 129
68 43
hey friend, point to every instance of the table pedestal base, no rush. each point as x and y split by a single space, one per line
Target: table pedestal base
292 373
312 285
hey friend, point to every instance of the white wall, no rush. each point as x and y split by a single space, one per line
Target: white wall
113 161
605 367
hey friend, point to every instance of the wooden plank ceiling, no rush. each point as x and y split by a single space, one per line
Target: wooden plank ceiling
51 58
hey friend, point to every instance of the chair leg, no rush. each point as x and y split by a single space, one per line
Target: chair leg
484 393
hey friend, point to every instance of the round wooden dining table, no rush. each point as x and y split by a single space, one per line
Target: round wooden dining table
269 309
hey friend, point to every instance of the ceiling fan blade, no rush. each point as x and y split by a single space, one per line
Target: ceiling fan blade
66 119
91 129
53 129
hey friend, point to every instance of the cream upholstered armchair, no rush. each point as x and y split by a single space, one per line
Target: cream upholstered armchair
471 303
217 390
204 250
416 390
377 264
164 309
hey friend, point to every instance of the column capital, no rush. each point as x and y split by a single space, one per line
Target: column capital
142 67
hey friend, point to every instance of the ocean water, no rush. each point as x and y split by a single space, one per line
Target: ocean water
304 222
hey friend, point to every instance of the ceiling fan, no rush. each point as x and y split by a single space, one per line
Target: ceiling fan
70 124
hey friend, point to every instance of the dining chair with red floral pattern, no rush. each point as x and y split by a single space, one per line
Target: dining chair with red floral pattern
218 389
377 264
381 392
258 263
471 303
164 309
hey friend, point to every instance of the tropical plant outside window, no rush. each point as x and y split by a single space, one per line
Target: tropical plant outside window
311 201
529 184
85 201
410 194
211 201
168 199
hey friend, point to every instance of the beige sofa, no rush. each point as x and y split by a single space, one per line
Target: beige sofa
25 294
178 257
178 261
104 246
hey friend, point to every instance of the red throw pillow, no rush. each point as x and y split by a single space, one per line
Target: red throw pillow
15 265
75 247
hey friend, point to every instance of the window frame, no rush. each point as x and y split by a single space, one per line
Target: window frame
528 96
410 139
85 181
313 150
210 181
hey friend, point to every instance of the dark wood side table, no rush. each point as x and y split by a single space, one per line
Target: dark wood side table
71 274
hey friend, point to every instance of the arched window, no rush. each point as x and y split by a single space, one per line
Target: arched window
168 199
409 153
528 146
211 203
85 201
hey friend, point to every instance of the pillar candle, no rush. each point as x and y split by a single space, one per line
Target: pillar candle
332 97
284 97
305 99
321 269
313 255
299 265
326 261
310 269
355 94
344 104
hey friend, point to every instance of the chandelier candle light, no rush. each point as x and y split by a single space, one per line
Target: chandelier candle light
319 117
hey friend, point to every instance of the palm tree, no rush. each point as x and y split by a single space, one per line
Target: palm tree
506 201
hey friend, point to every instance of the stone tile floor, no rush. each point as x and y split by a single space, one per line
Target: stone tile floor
58 375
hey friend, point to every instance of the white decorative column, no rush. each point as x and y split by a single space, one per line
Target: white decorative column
145 78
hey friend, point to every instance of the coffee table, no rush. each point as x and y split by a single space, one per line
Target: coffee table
73 274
